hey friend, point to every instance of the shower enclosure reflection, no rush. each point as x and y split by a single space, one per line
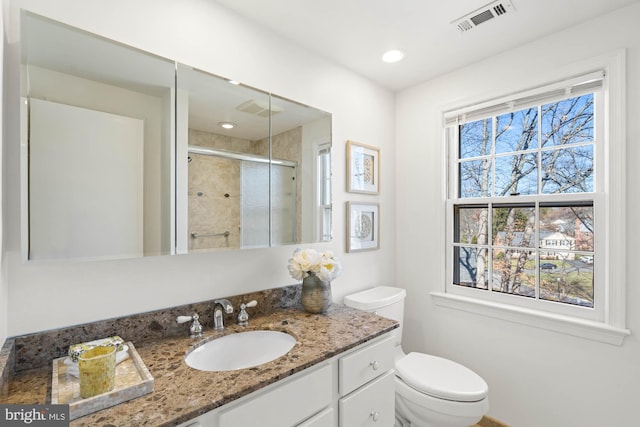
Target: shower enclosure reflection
227 201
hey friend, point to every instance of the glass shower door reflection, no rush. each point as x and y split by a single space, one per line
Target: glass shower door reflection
257 214
283 205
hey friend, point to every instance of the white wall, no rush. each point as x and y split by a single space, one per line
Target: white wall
536 377
201 34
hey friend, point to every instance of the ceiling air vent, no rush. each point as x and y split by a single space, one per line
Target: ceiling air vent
484 14
259 108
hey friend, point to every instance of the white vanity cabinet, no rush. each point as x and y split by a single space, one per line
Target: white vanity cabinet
352 389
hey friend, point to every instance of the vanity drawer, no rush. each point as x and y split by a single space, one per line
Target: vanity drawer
364 365
285 405
372 405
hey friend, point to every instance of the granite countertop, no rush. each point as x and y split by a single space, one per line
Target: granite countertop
182 393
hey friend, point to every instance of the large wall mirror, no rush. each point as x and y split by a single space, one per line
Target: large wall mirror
127 154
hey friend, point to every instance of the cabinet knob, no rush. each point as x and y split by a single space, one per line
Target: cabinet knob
375 416
375 365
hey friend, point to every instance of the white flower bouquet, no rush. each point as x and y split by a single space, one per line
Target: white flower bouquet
309 261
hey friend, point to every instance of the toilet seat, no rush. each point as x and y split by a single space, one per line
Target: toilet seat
441 378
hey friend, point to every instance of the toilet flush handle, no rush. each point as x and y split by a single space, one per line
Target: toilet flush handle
375 416
375 365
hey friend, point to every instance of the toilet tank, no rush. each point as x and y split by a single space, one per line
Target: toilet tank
386 301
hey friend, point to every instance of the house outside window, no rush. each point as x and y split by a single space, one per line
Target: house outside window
529 208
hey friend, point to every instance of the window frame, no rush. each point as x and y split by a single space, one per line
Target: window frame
605 323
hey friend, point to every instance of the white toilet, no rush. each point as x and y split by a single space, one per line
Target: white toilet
430 391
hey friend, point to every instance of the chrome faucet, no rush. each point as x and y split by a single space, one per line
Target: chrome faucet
220 307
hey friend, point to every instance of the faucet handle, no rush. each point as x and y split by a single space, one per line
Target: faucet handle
196 328
249 304
243 316
183 319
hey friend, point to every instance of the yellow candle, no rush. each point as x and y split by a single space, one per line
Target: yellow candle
97 371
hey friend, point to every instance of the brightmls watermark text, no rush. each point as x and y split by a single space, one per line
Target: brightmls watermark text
34 415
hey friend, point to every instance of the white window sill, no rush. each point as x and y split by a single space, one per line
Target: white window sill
588 329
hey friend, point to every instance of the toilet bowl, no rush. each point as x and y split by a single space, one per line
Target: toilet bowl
430 391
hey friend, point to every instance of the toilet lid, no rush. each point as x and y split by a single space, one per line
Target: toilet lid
441 378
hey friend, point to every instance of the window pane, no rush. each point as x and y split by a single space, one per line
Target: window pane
469 262
517 131
516 175
324 179
474 178
514 272
568 121
471 225
475 139
514 226
568 170
566 228
565 278
326 224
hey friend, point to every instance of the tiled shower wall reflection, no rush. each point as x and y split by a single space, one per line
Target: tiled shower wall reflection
214 192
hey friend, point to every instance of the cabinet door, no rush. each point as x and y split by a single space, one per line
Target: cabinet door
365 364
285 405
323 419
210 419
372 405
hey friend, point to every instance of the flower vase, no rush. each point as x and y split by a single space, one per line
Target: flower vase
316 294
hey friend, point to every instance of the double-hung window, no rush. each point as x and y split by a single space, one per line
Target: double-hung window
528 205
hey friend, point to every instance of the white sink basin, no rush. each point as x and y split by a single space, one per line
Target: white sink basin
239 351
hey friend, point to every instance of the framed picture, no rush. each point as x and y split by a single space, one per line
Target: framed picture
363 226
363 168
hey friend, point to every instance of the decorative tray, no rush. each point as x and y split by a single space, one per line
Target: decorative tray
132 380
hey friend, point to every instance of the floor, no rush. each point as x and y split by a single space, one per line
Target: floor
489 422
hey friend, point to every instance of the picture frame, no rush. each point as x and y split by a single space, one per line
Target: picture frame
363 226
363 168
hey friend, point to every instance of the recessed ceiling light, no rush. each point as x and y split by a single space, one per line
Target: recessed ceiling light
227 125
393 55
